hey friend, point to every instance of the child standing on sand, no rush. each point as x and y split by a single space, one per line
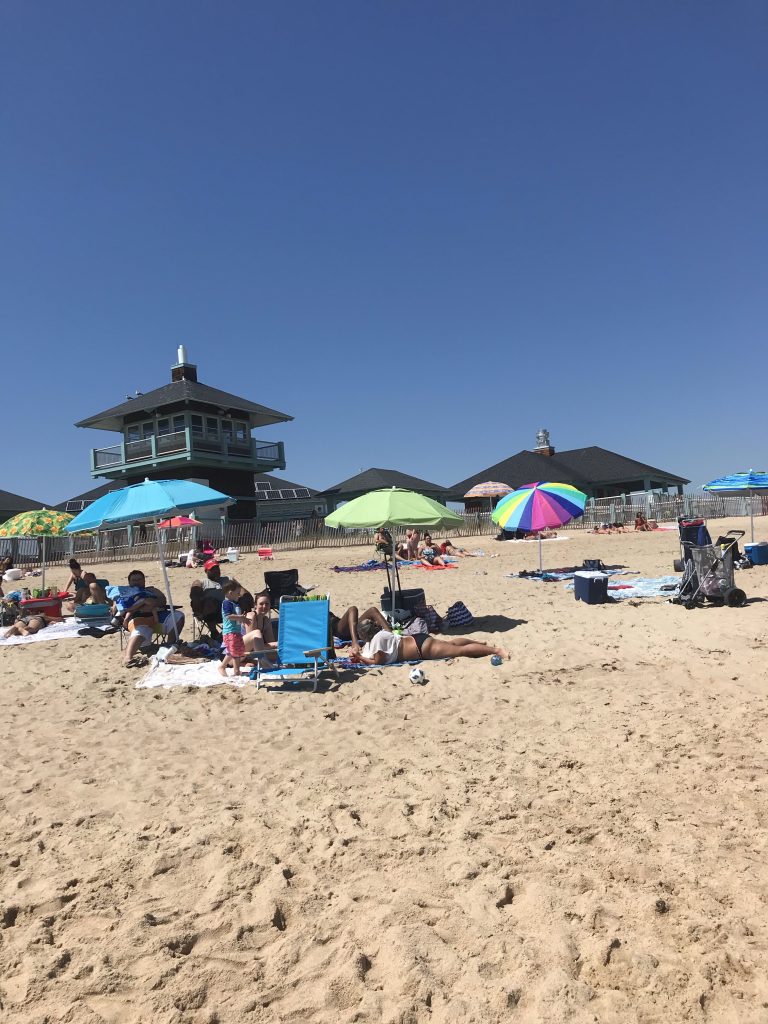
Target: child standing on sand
231 628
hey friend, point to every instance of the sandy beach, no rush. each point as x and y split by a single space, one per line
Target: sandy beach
577 835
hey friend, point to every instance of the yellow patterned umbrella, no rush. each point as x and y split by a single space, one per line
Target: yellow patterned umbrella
38 523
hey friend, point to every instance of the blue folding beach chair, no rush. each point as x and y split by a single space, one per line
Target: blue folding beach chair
303 648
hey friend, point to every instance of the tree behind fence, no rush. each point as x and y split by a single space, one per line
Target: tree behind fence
301 534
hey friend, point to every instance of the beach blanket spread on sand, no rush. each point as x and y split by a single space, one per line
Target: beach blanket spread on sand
66 630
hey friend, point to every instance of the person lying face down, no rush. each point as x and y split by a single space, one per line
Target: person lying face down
27 625
382 647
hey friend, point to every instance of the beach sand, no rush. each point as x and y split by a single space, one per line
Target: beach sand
578 835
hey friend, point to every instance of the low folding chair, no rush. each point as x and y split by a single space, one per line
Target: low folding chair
201 630
158 630
304 645
282 583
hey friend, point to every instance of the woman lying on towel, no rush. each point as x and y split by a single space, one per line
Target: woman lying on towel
446 548
384 648
27 625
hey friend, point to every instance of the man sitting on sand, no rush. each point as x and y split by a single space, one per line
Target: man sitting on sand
384 648
149 614
206 596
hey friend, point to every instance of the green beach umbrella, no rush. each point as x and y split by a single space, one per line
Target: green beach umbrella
37 524
393 506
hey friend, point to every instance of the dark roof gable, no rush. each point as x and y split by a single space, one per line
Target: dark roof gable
18 503
277 482
600 464
373 479
183 391
581 467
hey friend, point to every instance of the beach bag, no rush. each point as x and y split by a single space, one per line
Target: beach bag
9 612
415 626
458 615
433 620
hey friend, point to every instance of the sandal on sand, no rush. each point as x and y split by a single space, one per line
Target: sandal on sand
137 661
91 631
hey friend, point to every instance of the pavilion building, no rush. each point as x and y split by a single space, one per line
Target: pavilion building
596 471
189 430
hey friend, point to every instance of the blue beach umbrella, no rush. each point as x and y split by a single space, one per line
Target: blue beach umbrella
737 485
150 502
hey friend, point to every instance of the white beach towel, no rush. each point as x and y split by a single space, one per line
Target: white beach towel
166 677
56 631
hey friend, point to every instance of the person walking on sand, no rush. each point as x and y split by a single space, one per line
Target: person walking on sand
231 627
384 648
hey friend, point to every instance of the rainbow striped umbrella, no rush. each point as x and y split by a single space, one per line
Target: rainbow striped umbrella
539 506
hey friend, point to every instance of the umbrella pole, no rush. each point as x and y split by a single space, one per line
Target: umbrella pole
751 519
161 553
42 582
541 563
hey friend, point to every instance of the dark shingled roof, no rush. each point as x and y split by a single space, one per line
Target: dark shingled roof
582 467
278 483
184 391
14 503
373 479
92 495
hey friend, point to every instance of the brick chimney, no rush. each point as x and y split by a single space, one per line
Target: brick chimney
183 370
543 447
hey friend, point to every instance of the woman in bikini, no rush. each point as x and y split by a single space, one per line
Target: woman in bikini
259 635
384 648
429 553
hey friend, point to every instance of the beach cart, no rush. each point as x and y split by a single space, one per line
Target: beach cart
708 576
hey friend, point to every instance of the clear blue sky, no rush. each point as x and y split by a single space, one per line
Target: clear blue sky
525 214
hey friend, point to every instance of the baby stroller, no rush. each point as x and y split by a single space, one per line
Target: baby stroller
707 568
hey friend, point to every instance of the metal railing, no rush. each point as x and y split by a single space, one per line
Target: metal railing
265 453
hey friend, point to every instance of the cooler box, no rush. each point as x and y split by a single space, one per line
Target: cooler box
408 600
92 612
757 553
591 587
42 606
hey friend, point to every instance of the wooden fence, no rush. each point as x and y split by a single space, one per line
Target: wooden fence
134 545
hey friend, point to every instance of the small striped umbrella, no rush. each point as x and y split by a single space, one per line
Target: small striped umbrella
738 484
38 523
539 506
489 489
